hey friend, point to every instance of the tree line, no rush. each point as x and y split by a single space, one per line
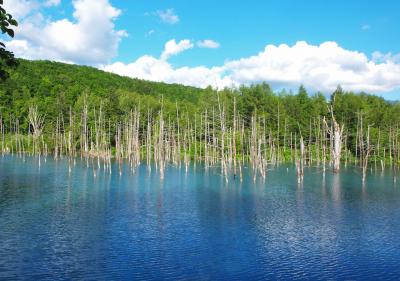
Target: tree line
61 109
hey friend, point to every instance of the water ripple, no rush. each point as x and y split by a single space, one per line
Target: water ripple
56 225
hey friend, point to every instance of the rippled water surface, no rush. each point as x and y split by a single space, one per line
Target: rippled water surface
61 225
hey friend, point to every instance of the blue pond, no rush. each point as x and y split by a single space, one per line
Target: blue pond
61 225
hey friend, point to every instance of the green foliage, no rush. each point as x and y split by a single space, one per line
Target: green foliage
7 59
57 87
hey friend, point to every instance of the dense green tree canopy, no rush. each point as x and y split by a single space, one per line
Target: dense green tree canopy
56 88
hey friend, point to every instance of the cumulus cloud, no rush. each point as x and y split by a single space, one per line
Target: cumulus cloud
159 69
90 39
210 44
172 48
20 8
151 68
318 67
167 16
389 57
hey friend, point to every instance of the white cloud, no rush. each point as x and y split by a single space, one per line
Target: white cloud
20 8
318 67
159 69
50 3
90 39
167 16
150 68
379 57
210 44
172 48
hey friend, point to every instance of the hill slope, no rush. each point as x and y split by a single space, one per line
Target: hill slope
45 77
56 88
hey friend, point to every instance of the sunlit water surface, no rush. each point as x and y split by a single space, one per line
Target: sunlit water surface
61 225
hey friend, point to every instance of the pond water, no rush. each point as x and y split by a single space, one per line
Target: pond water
61 225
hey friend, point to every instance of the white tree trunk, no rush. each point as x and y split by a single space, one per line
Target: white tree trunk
337 145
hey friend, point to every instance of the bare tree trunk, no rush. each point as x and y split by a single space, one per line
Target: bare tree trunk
36 121
336 133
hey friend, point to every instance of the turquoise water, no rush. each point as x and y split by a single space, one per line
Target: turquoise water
61 225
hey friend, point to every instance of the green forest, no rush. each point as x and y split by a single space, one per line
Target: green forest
77 110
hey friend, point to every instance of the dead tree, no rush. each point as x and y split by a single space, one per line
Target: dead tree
367 154
336 133
36 121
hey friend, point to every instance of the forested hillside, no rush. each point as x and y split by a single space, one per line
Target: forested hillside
61 92
55 87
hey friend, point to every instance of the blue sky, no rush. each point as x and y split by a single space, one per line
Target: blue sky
241 30
245 28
